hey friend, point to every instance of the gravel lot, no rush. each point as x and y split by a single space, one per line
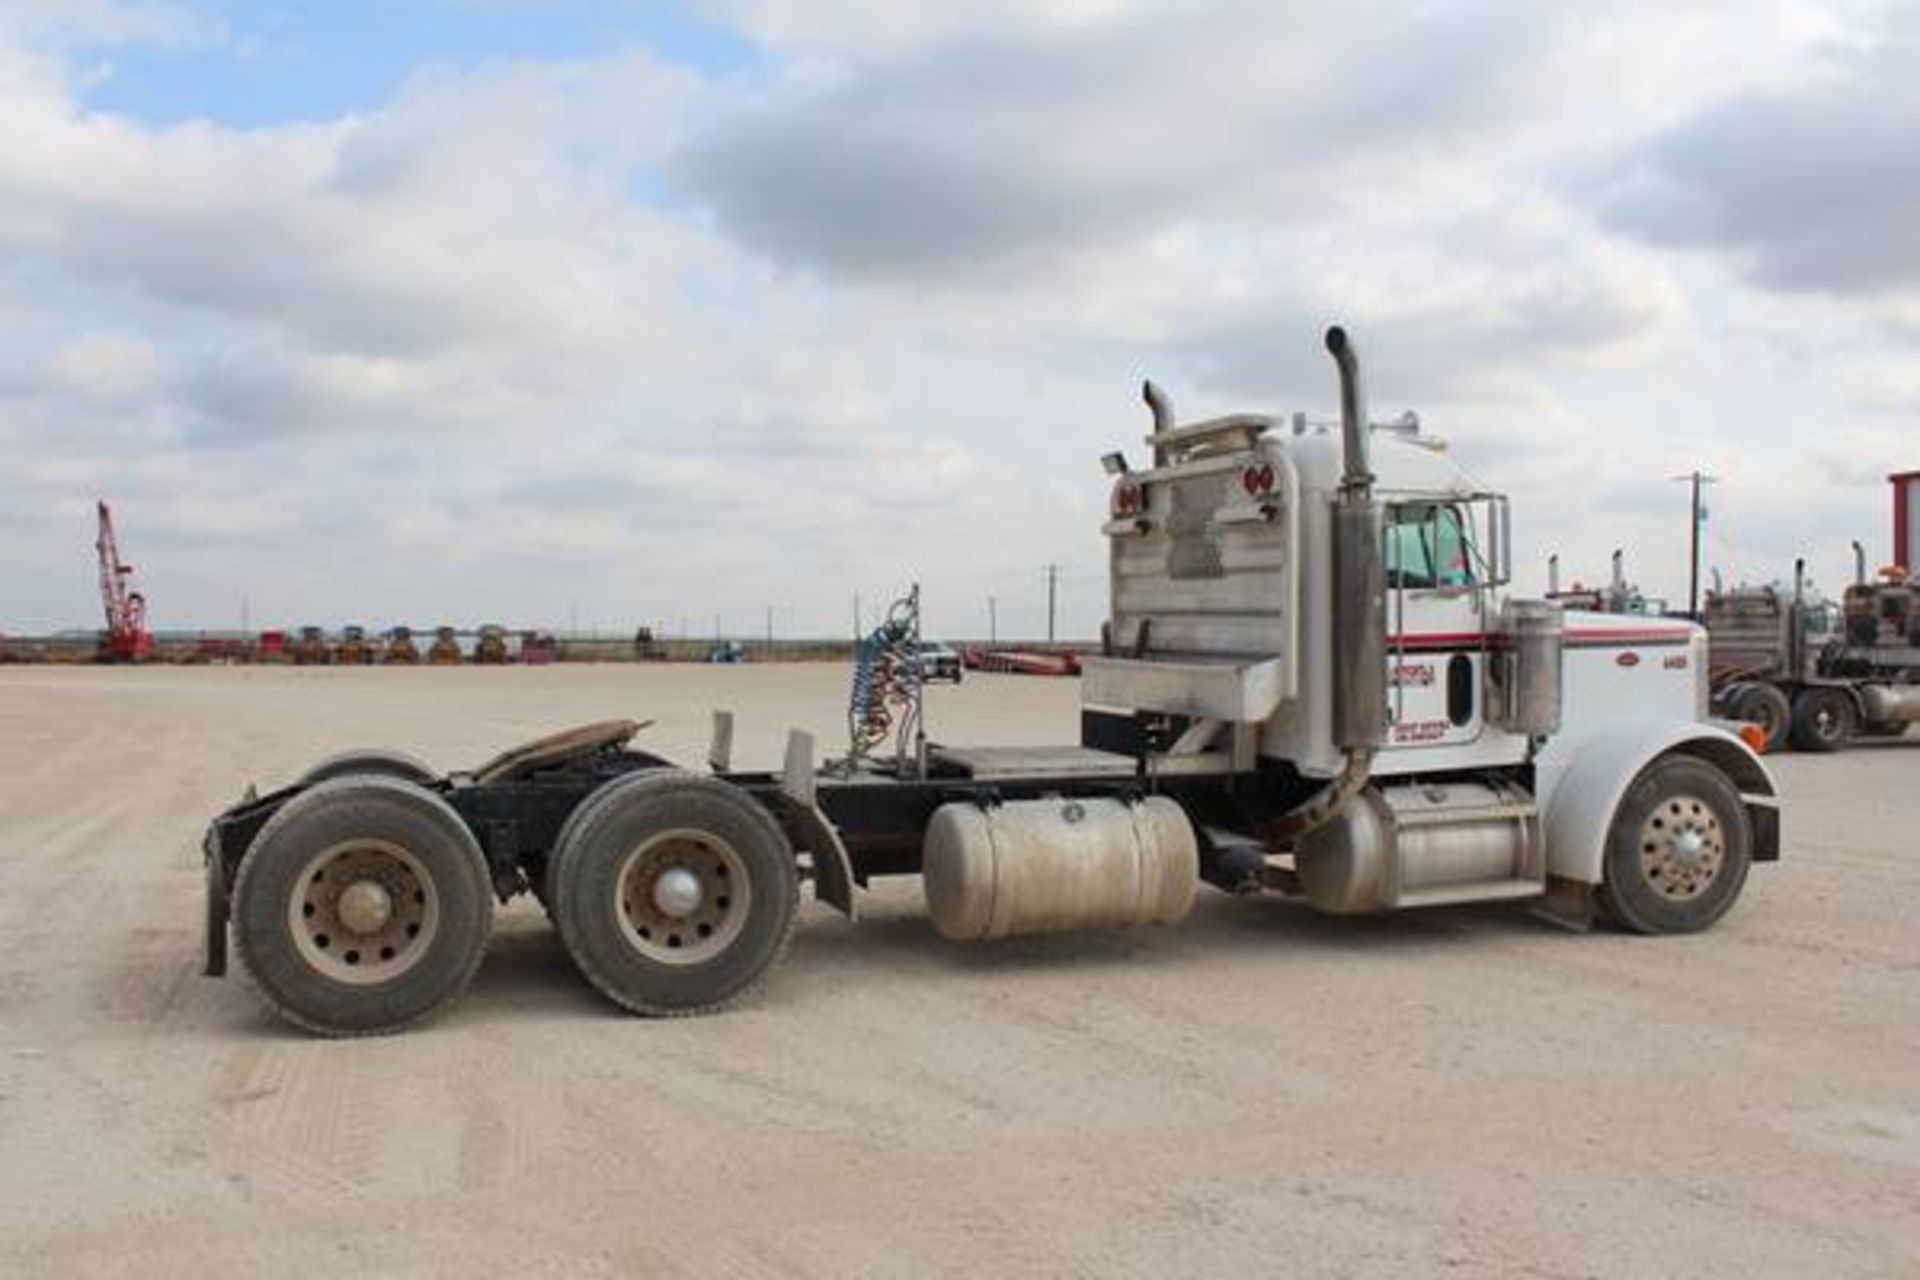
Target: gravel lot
1262 1091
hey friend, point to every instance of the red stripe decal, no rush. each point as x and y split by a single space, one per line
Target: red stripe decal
1584 639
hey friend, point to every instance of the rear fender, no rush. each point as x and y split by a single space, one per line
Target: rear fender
1580 794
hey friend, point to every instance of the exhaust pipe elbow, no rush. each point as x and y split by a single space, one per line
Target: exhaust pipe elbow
1161 406
1357 474
1162 417
1859 564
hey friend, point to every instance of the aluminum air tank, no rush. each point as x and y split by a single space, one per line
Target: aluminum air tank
1036 866
1528 667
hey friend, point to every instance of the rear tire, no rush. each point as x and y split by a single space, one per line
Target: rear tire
369 760
1678 850
1823 719
1766 706
362 907
674 894
542 884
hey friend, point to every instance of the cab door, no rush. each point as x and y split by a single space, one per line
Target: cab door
1436 625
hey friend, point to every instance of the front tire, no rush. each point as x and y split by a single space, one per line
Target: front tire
1678 849
674 894
362 907
1766 706
1823 719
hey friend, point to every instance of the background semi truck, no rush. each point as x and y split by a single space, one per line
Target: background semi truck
1314 682
1813 674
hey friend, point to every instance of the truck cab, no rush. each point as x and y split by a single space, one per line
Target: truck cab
1237 555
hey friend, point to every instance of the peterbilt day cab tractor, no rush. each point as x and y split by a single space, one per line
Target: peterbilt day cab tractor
1315 684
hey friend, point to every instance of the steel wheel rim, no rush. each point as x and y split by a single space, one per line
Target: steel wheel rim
363 912
664 923
1682 847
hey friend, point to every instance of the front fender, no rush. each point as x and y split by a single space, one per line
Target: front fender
1579 792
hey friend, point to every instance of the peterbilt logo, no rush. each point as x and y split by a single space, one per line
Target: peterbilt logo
1628 659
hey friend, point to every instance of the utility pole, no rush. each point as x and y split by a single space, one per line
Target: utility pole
993 621
1053 591
1697 480
856 617
769 629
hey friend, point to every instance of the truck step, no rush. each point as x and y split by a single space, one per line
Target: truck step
1472 891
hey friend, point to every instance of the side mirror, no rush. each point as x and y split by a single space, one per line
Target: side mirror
1500 540
1114 464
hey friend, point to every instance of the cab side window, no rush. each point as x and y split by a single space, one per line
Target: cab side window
1426 546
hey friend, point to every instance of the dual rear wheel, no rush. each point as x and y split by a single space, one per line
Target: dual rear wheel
362 906
673 893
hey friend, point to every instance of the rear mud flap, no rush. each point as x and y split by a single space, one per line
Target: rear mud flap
812 830
216 877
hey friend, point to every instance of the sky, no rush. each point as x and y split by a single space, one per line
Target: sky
606 314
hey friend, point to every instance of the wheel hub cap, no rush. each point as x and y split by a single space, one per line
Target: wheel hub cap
363 911
1682 847
677 893
365 906
683 896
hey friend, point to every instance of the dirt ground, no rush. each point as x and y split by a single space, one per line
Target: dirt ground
1261 1091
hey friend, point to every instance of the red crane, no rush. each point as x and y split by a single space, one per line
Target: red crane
126 638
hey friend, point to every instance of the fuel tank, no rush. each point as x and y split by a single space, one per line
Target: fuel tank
1893 704
1423 844
1038 866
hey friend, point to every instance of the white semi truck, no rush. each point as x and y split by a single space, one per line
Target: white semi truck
1315 683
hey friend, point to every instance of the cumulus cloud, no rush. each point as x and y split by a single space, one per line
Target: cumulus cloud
1020 140
1812 187
606 331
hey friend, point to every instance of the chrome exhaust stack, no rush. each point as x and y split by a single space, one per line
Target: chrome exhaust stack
1359 685
1359 615
1359 573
